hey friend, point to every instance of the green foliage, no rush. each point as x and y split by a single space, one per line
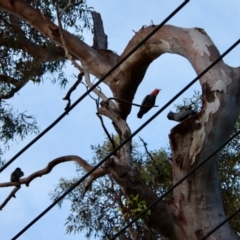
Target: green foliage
133 206
14 126
103 208
195 102
229 169
20 64
156 169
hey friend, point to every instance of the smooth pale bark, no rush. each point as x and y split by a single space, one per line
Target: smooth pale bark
197 206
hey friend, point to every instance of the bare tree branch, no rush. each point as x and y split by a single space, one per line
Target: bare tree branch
12 194
80 75
95 90
100 95
93 177
149 154
131 103
89 94
67 97
61 30
86 166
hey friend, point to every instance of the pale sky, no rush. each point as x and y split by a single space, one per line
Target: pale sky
81 128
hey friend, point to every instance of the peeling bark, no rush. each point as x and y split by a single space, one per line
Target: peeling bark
100 38
193 141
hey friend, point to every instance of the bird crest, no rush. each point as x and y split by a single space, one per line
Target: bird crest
155 91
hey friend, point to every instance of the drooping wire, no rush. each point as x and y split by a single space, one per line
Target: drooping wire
222 223
93 86
125 141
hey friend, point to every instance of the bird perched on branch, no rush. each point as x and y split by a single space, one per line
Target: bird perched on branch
148 102
16 174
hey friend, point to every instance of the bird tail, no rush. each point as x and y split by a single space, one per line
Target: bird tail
139 115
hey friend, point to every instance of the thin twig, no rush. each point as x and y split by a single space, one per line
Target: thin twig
95 99
92 178
149 154
69 56
71 59
95 90
68 6
135 104
106 131
67 97
102 122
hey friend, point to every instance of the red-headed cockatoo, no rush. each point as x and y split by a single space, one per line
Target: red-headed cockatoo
148 102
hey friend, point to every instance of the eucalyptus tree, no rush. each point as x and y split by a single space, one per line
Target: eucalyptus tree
35 41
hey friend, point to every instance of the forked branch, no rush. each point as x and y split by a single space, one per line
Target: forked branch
86 166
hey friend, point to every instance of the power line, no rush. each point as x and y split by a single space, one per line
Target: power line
175 185
93 86
222 223
125 141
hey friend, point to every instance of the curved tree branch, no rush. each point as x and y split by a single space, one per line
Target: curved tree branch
86 166
193 44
